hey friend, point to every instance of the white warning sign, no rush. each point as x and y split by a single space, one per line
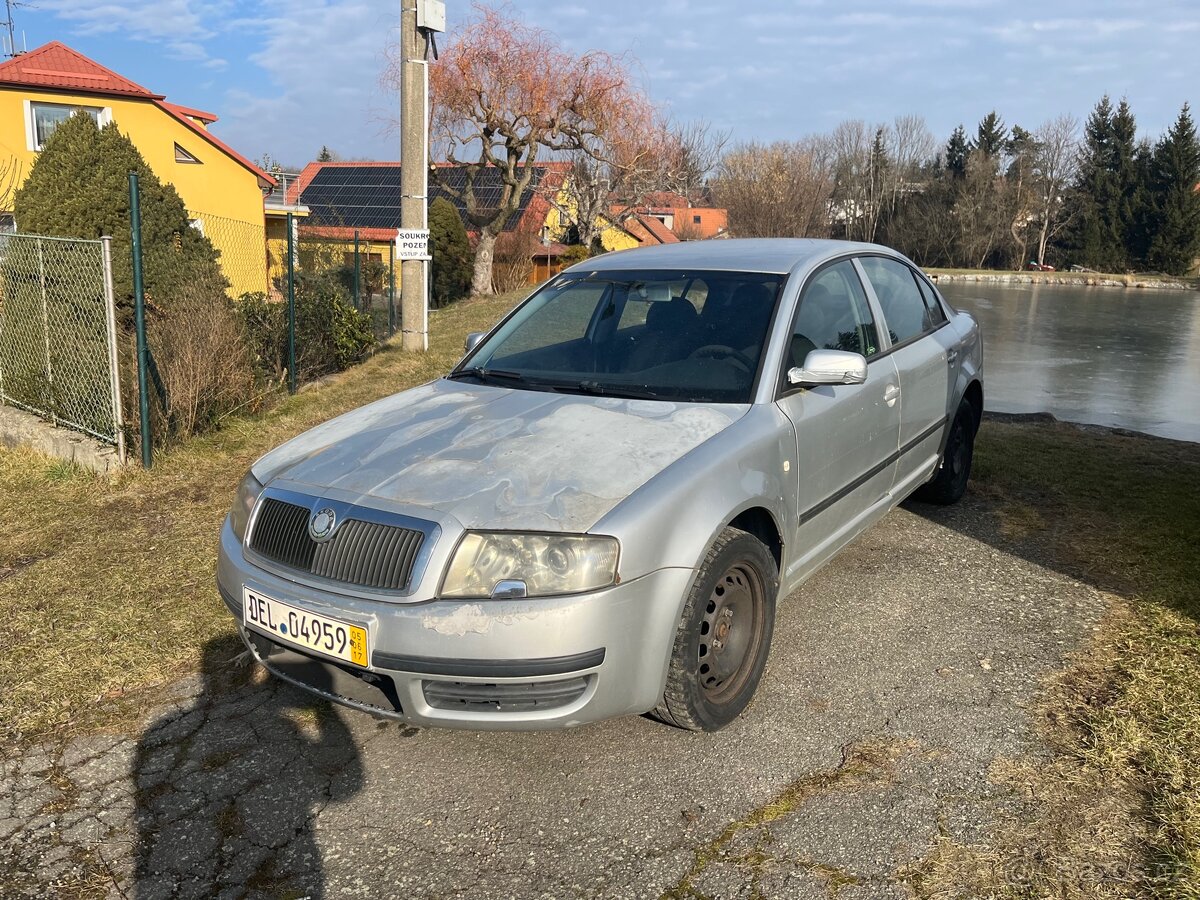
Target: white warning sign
412 243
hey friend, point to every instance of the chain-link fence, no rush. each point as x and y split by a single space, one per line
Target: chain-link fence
242 251
58 356
364 266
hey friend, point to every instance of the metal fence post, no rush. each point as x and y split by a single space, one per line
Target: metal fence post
139 317
391 288
291 309
110 320
50 404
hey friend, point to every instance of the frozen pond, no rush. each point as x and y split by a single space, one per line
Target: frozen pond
1105 356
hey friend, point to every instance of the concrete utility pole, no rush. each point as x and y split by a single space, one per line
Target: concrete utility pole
414 178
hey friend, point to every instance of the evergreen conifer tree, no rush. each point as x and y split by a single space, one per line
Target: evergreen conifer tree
452 260
325 155
1174 241
79 187
1097 240
991 136
957 150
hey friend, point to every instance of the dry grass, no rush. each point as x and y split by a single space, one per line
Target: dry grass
1117 813
107 585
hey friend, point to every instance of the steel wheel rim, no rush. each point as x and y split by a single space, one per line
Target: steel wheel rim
958 450
731 632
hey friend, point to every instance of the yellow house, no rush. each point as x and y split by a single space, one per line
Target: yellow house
222 190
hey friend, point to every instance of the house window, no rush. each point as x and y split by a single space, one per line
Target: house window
695 220
41 119
182 156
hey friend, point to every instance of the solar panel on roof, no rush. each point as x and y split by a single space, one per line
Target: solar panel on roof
369 196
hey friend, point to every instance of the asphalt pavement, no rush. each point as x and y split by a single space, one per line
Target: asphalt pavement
899 676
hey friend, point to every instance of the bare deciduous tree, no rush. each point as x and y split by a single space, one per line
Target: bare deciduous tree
502 92
980 210
612 172
693 151
910 147
776 190
1055 165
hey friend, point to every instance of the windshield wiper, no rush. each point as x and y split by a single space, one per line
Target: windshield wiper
501 375
487 374
606 390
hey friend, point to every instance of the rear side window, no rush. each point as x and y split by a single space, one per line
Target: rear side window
934 315
834 315
904 308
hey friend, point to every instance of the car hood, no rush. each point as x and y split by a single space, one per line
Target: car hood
496 457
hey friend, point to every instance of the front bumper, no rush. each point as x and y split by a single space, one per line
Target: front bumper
482 664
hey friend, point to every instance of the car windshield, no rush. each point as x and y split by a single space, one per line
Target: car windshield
669 335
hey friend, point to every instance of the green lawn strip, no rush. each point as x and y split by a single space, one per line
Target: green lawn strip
107 587
1123 513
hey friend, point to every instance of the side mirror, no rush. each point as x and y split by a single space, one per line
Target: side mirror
830 367
473 340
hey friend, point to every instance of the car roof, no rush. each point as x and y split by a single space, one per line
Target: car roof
774 255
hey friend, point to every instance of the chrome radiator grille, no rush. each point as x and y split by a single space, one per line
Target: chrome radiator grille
368 554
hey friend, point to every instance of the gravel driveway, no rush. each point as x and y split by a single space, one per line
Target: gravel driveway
900 675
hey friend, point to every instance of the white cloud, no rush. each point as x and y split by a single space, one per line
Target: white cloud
182 26
322 62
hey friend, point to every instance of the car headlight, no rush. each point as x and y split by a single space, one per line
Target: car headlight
548 564
243 504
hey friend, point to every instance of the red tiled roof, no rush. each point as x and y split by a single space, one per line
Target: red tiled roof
55 66
666 199
657 229
206 117
342 233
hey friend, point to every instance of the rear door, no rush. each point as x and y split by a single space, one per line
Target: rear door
846 434
922 348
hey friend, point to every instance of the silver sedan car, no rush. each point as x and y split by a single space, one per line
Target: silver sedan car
595 513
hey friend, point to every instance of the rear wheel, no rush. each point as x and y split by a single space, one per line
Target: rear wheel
950 482
724 634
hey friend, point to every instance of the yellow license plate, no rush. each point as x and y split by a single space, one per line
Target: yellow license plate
301 628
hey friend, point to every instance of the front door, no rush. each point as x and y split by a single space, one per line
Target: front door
846 434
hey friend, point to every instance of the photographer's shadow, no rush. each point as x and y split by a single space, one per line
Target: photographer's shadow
227 786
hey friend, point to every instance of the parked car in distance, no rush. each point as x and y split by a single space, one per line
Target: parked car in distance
1034 266
595 513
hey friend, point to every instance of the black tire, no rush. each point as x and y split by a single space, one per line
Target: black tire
949 483
724 634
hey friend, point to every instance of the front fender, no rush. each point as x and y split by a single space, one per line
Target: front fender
670 521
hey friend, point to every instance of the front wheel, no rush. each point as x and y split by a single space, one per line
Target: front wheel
721 644
949 483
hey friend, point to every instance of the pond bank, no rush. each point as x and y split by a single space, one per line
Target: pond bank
1084 279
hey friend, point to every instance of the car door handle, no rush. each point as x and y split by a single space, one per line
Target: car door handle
890 394
951 357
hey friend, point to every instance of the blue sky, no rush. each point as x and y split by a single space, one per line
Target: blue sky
287 77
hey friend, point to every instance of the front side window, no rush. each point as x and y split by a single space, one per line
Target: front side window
834 315
663 334
904 308
48 116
